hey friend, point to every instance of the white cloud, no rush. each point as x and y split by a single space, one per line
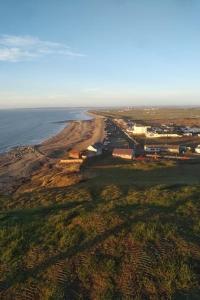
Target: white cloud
19 48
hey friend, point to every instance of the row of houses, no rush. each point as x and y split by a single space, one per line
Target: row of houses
150 149
129 154
152 134
154 149
163 131
175 149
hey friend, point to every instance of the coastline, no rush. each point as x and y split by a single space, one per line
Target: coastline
20 164
42 124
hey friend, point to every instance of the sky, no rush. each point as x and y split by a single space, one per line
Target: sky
99 53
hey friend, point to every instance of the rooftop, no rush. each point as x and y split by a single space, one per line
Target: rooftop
123 151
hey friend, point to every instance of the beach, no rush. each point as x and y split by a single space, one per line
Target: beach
40 162
78 134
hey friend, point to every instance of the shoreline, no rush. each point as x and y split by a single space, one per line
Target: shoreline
20 164
65 123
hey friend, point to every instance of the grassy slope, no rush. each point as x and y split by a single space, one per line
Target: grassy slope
107 238
140 173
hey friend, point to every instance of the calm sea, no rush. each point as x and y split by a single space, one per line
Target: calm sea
31 126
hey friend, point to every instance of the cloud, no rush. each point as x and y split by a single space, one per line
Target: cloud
19 48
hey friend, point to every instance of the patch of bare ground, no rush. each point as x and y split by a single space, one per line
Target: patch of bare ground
55 175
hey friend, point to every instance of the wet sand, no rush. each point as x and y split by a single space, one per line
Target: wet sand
19 165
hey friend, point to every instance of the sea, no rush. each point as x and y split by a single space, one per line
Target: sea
20 127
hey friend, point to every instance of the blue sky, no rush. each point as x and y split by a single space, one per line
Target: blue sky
99 52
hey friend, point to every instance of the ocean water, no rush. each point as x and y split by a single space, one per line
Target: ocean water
20 127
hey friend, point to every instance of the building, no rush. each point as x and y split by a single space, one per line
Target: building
197 149
152 148
75 154
97 148
71 161
88 154
93 150
193 130
152 134
140 129
123 153
175 149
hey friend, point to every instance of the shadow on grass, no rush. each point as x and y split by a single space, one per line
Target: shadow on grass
130 214
14 217
179 174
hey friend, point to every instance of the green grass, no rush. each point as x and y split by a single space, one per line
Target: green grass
129 233
138 173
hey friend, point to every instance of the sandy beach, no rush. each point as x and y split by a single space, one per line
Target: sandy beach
22 164
78 134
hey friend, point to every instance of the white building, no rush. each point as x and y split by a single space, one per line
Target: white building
161 135
140 129
197 149
96 148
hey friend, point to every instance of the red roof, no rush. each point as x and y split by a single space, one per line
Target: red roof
74 153
122 152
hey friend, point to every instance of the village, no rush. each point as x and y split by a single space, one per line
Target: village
130 140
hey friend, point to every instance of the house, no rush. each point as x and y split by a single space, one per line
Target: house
173 149
176 149
96 148
140 129
197 149
92 150
88 154
123 153
75 154
187 134
161 135
152 148
71 161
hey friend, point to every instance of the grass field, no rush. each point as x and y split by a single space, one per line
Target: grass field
132 231
140 173
165 113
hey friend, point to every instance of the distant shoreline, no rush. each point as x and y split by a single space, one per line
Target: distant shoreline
65 124
20 164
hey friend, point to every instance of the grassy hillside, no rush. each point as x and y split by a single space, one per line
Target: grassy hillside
103 241
110 170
